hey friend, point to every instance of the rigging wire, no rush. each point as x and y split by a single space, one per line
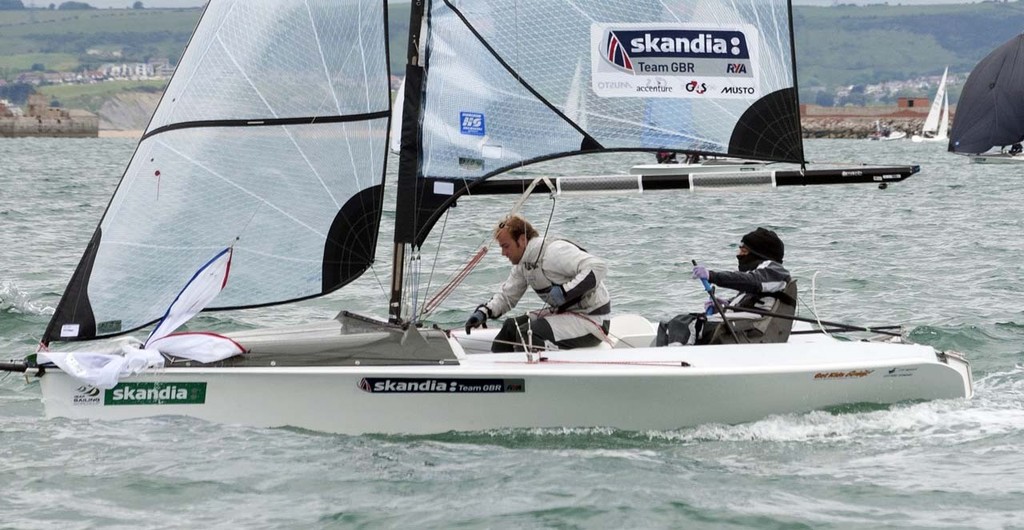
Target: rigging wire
456 278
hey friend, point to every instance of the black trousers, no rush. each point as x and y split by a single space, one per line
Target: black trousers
515 332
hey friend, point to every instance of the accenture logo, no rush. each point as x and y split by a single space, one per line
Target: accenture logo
622 47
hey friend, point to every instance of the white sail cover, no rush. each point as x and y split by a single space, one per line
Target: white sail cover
271 138
675 74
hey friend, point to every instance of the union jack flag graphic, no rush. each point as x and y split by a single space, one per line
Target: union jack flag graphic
616 53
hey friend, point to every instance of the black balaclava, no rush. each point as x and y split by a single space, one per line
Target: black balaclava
748 262
761 244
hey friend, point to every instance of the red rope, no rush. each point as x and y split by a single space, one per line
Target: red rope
441 295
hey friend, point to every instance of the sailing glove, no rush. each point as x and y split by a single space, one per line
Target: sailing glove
709 306
700 272
476 320
556 296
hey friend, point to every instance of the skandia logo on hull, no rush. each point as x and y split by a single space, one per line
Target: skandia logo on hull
156 394
623 47
416 385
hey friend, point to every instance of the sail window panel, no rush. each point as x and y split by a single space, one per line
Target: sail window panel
272 192
554 54
253 60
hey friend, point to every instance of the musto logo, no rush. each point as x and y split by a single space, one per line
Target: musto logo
416 385
156 394
672 50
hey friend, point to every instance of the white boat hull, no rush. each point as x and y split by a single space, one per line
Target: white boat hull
999 158
895 135
630 388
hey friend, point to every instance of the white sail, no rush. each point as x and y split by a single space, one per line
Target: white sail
931 123
492 86
943 133
576 102
395 141
274 121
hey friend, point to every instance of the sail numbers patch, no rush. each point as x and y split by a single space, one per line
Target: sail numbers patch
472 123
418 385
674 61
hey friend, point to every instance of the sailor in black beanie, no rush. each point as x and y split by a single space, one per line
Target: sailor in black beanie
760 269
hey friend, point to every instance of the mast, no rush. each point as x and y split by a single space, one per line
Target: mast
409 157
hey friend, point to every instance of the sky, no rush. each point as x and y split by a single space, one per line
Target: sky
103 4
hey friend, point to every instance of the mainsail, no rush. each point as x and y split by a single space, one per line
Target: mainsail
990 111
499 85
271 139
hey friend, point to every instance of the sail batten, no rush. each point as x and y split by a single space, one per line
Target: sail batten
271 138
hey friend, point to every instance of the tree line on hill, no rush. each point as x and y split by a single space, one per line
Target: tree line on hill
19 4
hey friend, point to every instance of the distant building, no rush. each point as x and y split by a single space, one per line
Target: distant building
913 103
40 119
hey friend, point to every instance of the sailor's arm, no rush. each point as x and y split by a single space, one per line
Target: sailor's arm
508 294
768 279
586 270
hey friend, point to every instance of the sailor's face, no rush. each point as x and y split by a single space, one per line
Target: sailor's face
742 251
511 248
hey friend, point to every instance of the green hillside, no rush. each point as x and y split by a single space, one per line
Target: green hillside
849 45
836 46
61 40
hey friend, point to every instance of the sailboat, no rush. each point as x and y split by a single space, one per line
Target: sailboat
886 133
989 124
936 124
260 181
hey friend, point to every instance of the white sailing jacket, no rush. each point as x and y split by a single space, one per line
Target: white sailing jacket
556 262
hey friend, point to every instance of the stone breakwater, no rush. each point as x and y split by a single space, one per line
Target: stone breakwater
848 127
859 122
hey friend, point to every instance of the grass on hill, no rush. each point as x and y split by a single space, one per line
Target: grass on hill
60 62
91 97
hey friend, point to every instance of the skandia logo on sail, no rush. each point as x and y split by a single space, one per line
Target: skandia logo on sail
624 48
156 394
410 385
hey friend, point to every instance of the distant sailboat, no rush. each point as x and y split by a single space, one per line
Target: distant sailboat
936 125
884 132
989 124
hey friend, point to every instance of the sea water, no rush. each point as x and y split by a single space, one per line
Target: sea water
940 253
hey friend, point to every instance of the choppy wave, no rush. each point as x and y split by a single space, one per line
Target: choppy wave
13 299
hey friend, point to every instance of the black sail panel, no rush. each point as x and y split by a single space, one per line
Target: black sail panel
990 111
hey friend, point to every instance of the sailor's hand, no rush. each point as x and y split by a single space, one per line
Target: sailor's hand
477 319
700 272
709 306
556 296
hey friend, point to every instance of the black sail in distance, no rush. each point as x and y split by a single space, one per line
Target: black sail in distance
990 112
